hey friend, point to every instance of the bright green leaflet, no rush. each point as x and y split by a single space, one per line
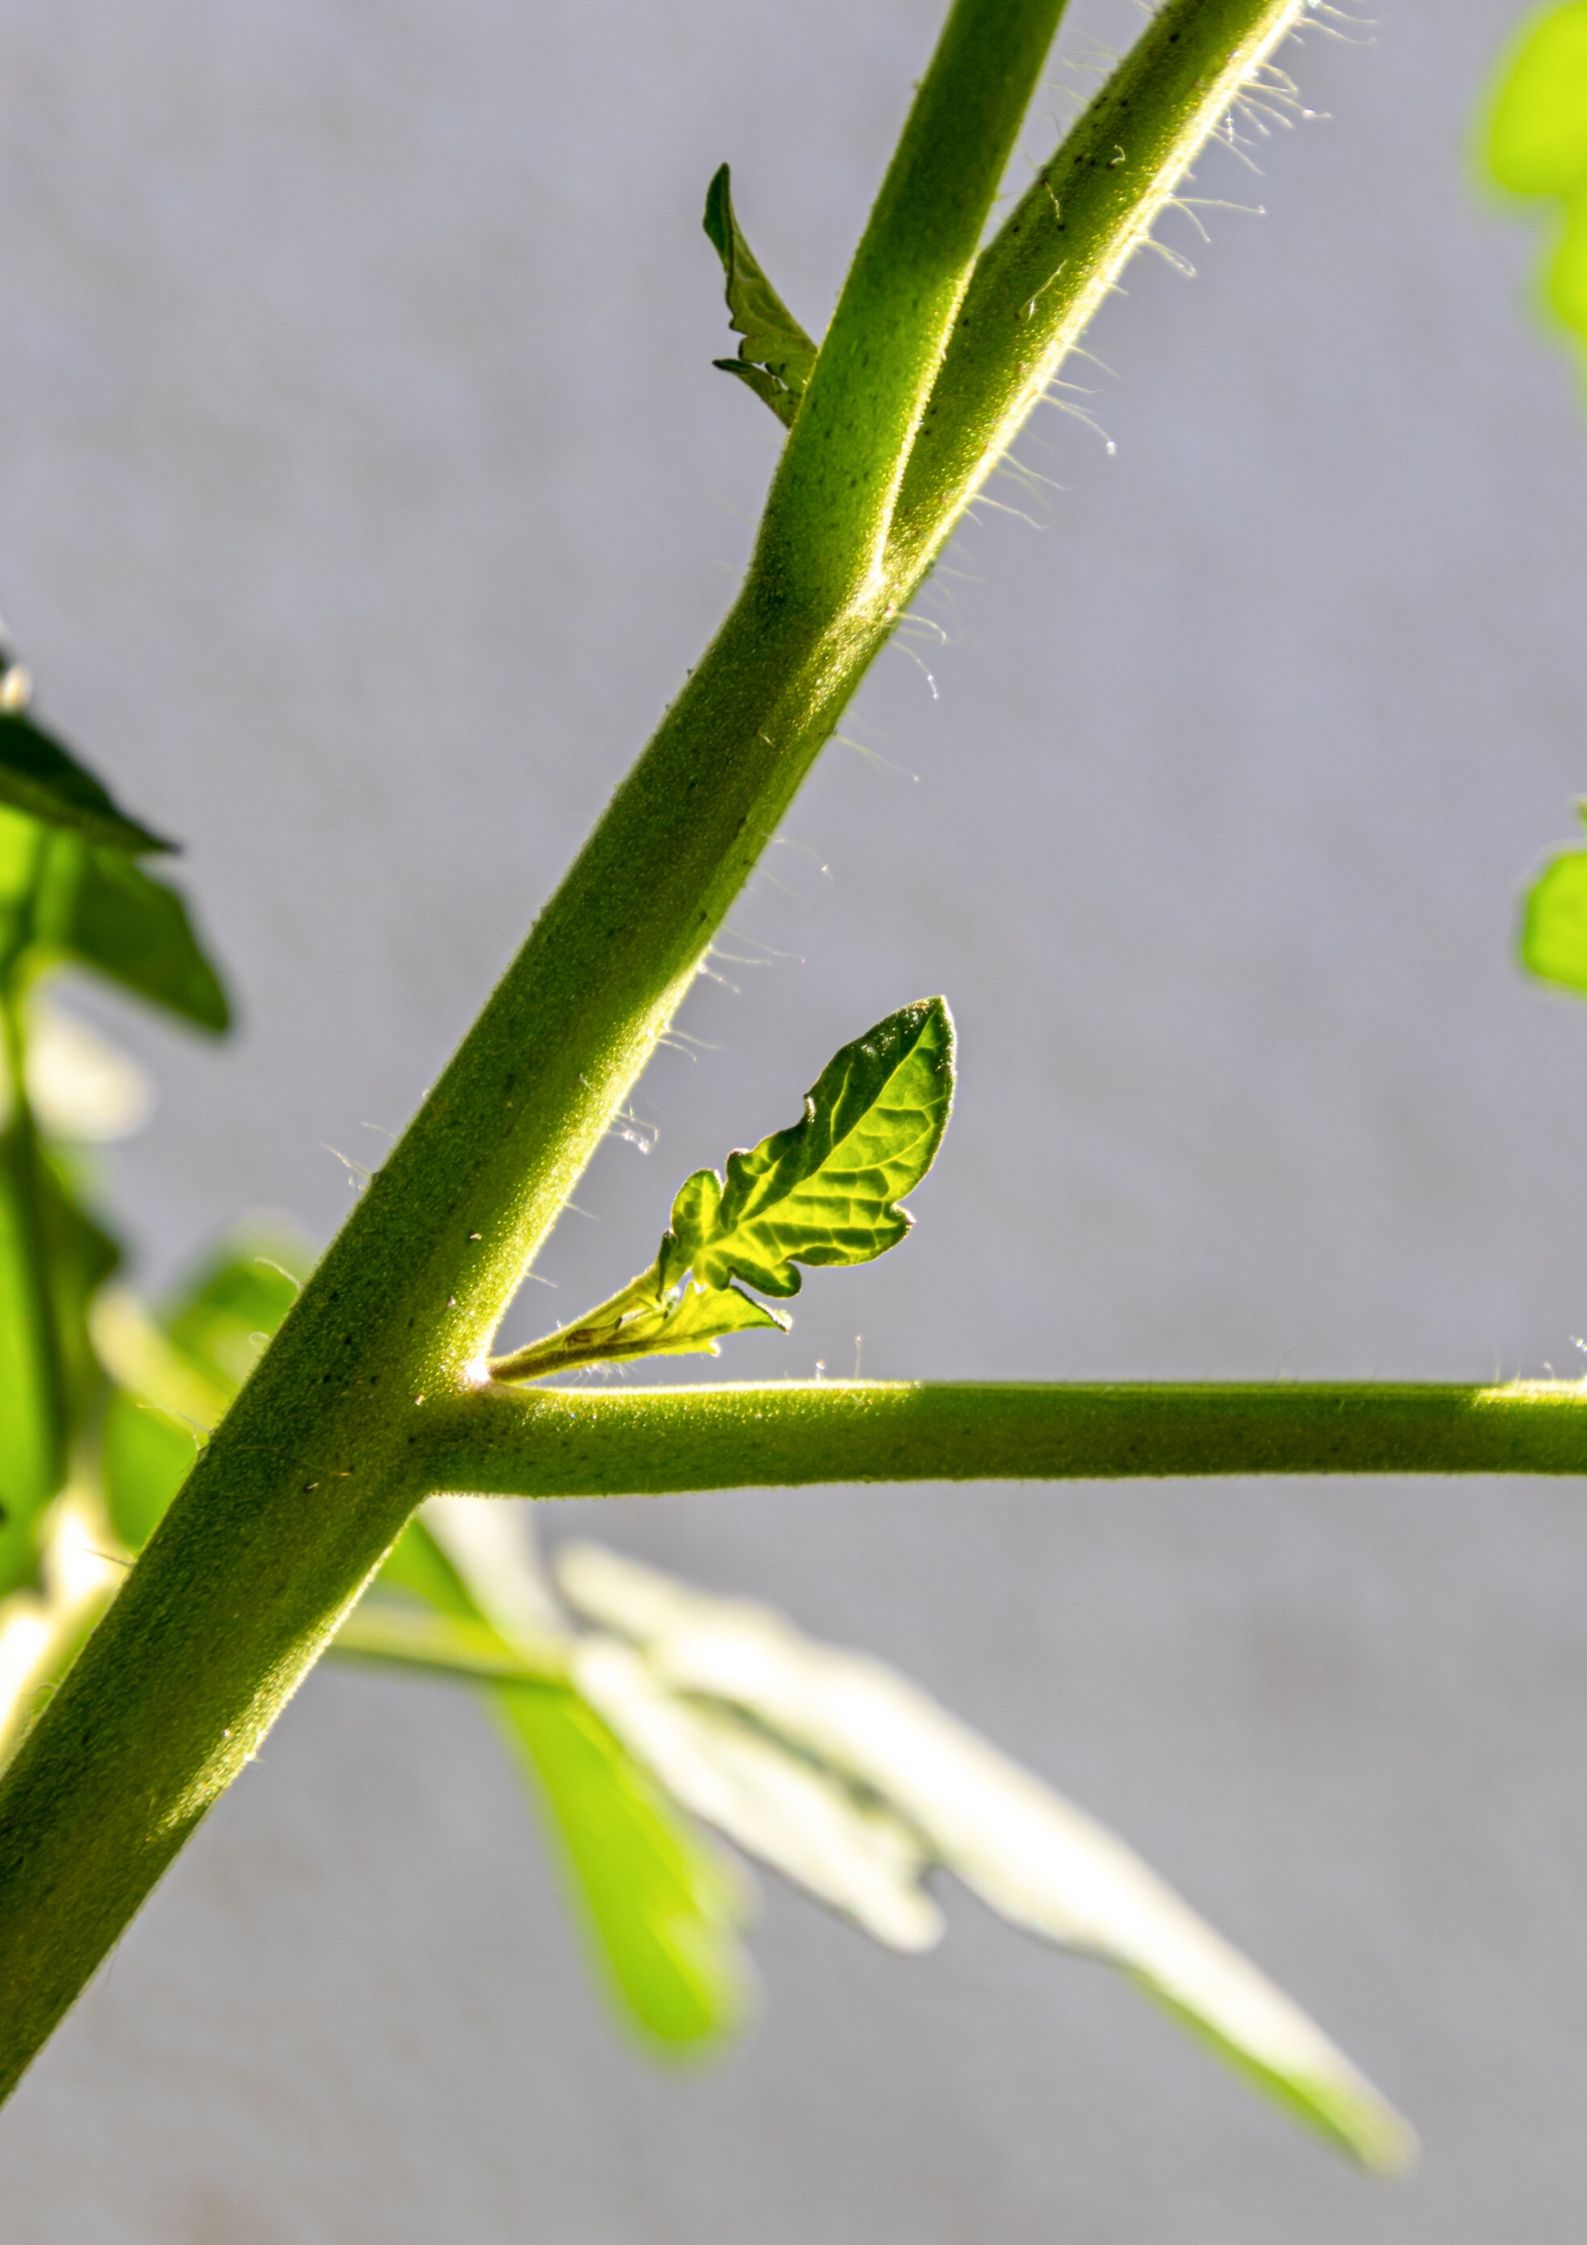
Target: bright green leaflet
1554 923
827 1189
40 777
1536 145
776 356
648 1318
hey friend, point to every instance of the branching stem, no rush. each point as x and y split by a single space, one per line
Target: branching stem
338 1434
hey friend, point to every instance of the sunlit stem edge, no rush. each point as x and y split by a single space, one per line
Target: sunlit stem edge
554 1442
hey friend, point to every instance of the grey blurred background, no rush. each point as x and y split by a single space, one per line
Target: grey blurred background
364 491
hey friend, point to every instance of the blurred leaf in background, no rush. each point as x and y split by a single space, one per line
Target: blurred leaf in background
1534 144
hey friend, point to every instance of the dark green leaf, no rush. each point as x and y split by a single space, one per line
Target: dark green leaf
40 777
776 356
827 1189
108 914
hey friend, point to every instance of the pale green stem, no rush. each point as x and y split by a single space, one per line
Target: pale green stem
555 1442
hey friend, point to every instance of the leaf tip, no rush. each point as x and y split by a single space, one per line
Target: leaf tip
718 215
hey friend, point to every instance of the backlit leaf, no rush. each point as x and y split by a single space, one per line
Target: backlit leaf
645 1319
850 1852
1031 1856
827 1189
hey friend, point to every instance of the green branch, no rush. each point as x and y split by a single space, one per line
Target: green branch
828 516
650 1442
1059 254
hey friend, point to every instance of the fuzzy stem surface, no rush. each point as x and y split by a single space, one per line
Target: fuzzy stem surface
548 1442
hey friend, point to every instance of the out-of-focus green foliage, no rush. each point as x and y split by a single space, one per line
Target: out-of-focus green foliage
41 777
70 897
178 1372
1554 923
1028 1854
1535 145
659 1906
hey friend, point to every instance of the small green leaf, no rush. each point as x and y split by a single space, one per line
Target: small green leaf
1554 923
41 777
1030 1855
827 1189
824 1191
776 356
1537 127
108 914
